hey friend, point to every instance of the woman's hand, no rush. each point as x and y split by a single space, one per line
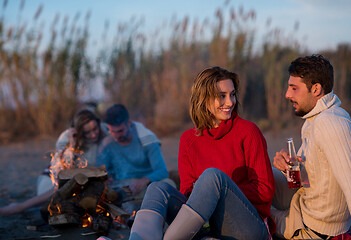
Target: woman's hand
72 135
12 208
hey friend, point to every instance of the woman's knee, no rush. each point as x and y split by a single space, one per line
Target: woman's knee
212 175
160 186
159 196
159 191
211 172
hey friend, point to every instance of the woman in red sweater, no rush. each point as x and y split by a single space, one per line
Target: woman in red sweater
225 173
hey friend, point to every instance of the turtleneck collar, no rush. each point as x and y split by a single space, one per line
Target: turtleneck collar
327 101
223 128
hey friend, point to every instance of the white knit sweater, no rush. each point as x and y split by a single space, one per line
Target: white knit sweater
325 204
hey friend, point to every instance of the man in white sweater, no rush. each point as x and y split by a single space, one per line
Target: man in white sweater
321 208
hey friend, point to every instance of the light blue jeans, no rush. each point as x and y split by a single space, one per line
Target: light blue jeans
217 199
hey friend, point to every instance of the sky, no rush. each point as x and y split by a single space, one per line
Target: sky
322 24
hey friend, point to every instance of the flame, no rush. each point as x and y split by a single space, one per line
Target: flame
66 159
120 220
87 220
56 209
100 209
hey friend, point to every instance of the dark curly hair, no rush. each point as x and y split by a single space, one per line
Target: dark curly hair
313 69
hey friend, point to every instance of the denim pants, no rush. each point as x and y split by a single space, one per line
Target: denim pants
217 199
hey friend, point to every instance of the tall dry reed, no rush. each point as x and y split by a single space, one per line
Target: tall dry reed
42 84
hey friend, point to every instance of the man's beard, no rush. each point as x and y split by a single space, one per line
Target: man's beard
300 113
126 138
123 139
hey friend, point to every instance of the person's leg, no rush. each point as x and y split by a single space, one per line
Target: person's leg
185 225
161 203
135 204
148 225
283 194
163 199
217 198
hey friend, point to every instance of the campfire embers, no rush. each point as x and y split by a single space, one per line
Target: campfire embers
84 200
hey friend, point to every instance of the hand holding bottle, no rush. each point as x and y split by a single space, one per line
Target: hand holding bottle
287 162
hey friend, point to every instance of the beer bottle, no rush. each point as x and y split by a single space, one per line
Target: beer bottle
293 173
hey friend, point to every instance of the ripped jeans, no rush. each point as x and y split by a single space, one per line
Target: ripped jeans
217 199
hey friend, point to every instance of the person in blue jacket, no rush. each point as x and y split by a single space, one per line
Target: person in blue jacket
132 155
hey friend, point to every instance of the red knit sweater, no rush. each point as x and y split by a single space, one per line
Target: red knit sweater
238 148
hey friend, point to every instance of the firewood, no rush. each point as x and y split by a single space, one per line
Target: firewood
101 223
116 211
70 206
91 195
89 172
66 191
66 218
111 195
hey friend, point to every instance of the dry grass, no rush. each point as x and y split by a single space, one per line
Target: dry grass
41 84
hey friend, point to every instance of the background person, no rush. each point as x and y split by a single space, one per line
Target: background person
321 208
85 134
225 173
132 155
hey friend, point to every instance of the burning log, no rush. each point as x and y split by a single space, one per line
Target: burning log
83 199
116 211
91 195
66 191
112 195
99 173
65 218
101 223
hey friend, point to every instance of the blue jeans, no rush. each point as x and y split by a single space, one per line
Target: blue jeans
217 199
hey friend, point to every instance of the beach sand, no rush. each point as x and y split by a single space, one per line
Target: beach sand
21 164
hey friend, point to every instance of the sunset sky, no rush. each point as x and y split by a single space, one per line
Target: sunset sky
322 24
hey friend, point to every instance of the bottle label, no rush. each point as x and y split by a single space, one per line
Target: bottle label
293 177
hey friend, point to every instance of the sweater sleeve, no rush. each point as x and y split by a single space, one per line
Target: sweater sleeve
259 188
104 158
185 168
333 136
157 162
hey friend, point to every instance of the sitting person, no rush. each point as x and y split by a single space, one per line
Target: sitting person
321 208
225 172
132 155
85 134
80 141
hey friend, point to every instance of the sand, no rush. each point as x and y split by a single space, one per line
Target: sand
21 164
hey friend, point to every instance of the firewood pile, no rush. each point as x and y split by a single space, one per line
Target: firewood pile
83 199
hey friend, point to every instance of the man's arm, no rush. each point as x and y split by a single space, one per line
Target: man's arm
105 158
154 155
157 162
